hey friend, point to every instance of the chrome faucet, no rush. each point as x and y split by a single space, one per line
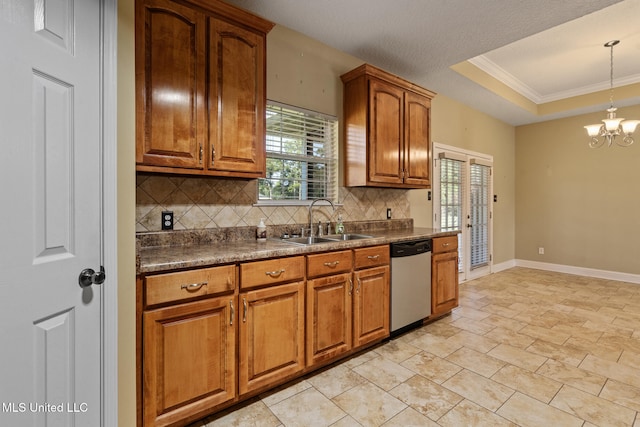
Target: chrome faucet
311 213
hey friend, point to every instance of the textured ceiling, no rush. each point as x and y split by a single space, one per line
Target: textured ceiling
544 49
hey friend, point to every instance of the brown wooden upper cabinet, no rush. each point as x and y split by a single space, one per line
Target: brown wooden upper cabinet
386 130
200 88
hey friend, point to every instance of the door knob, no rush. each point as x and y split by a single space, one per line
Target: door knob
88 277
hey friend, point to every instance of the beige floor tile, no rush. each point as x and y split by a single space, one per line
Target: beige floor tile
369 405
467 413
346 421
306 409
592 408
255 414
471 313
478 389
384 373
623 373
397 350
436 345
441 329
564 354
410 418
526 411
622 394
578 331
502 311
475 361
579 378
360 359
503 322
630 358
510 336
432 367
529 383
472 325
603 351
426 397
336 380
474 341
607 327
284 392
625 343
547 334
517 357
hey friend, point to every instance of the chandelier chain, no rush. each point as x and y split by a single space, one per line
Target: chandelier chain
611 77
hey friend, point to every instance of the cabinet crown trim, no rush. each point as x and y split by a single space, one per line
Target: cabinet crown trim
372 71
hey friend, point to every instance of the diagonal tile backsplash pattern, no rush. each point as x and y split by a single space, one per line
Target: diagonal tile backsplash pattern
200 203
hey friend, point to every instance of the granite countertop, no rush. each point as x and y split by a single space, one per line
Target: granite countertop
157 259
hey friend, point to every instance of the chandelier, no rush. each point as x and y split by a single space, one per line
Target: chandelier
613 126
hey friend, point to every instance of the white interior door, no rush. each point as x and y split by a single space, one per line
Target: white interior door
462 190
50 169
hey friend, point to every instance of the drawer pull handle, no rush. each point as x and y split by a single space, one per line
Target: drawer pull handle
244 311
233 312
373 257
274 273
350 287
193 287
359 284
332 263
445 244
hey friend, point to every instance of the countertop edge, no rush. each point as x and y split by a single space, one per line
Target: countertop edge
163 259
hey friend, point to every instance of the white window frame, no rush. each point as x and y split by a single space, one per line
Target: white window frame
330 158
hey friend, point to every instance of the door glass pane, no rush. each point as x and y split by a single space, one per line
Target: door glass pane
480 176
451 199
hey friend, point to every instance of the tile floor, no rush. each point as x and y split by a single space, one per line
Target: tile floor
526 347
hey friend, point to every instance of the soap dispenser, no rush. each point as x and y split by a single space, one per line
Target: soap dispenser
261 231
339 225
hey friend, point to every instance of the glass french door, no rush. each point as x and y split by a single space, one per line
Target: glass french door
462 201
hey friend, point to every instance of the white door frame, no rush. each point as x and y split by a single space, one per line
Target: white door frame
109 310
466 156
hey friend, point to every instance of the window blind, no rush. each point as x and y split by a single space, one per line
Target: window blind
452 178
480 179
301 148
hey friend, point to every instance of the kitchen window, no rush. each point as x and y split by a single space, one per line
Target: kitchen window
301 147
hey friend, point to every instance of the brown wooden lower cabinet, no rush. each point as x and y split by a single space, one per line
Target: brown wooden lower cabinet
271 335
371 305
329 324
189 359
444 275
214 336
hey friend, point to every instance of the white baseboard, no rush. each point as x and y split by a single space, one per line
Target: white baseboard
580 271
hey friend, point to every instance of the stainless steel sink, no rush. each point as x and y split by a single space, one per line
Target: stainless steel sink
348 236
311 240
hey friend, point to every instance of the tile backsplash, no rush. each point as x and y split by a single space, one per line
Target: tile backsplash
204 202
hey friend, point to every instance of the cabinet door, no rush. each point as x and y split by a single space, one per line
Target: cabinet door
444 282
236 99
170 85
386 125
271 335
188 359
371 305
328 317
416 140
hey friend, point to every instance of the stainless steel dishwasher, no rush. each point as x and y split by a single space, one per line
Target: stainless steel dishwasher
410 283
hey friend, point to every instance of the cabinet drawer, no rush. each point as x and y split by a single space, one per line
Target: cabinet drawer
178 286
329 263
445 244
371 257
272 271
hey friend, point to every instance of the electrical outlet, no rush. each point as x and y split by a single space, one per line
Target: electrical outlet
540 251
388 213
167 220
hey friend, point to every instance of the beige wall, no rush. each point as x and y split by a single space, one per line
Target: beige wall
126 218
580 204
